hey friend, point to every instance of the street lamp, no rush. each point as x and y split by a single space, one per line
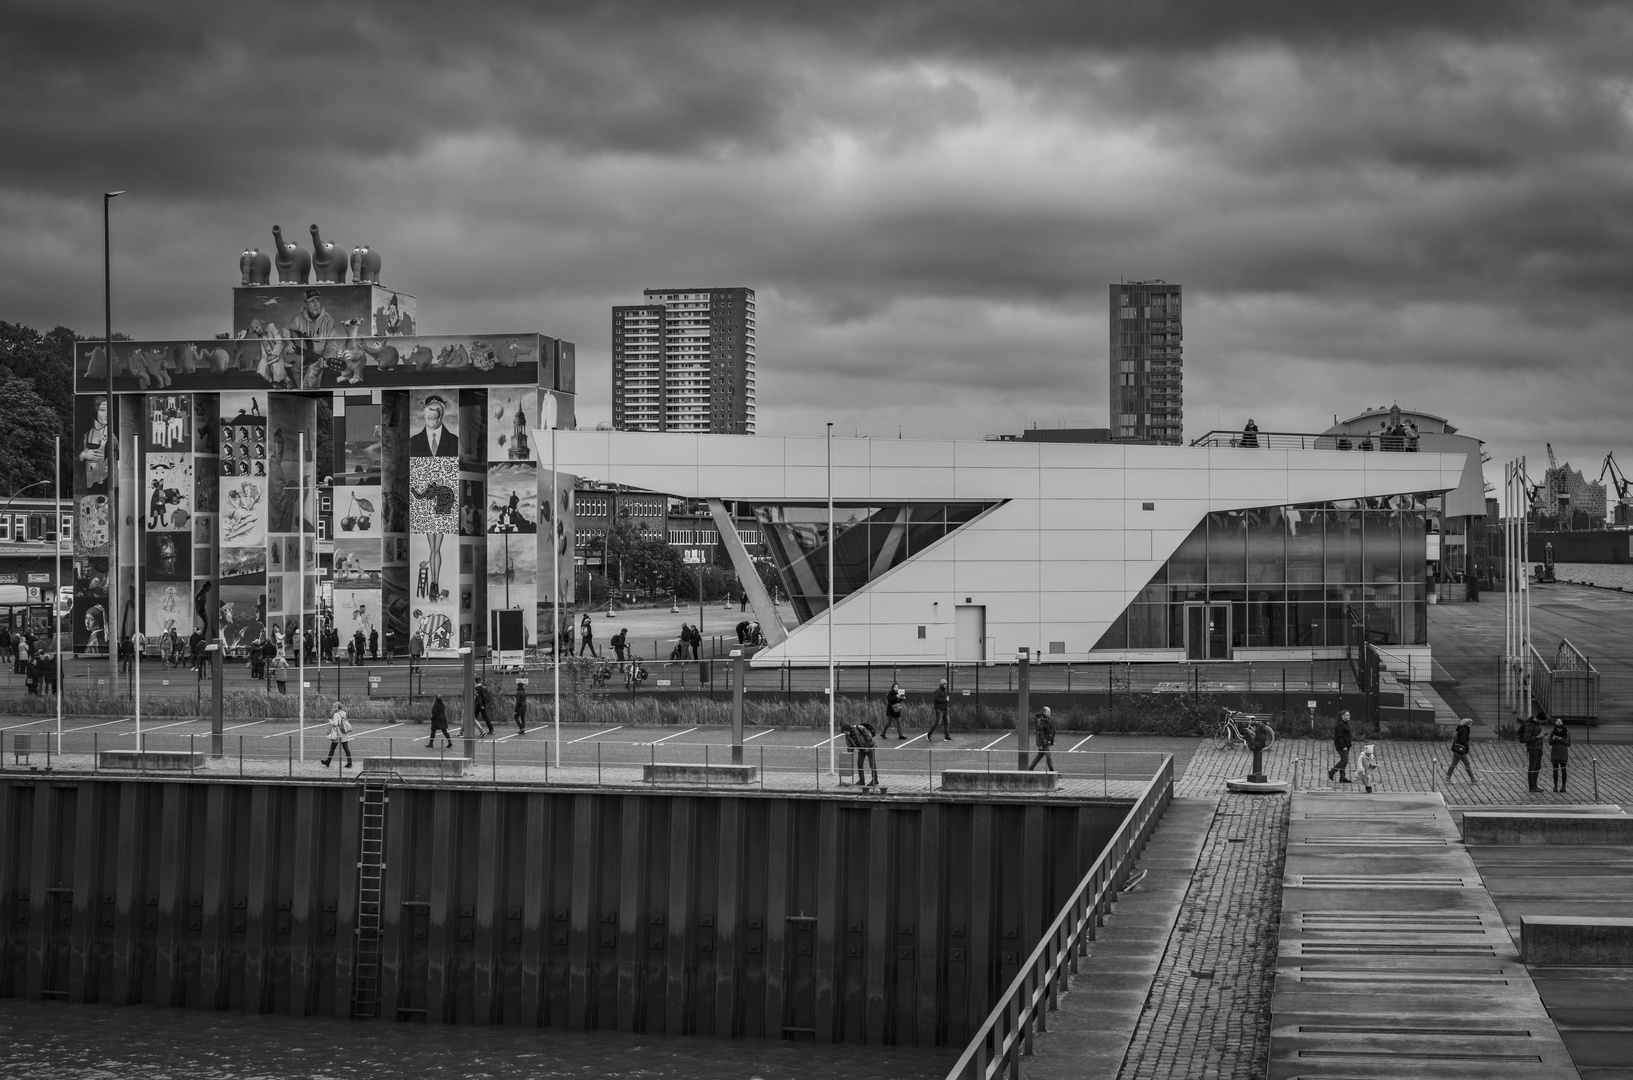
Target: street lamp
5 511
113 441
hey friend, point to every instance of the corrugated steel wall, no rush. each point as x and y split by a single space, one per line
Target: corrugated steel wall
880 921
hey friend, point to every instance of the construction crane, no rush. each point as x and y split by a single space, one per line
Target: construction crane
1552 464
1624 486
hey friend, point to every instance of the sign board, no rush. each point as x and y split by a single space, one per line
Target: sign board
39 578
1309 704
509 637
663 682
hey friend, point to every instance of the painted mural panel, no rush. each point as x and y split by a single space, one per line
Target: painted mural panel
394 313
434 569
290 418
169 423
512 515
169 492
357 512
364 440
357 564
512 413
310 350
357 611
242 615
168 607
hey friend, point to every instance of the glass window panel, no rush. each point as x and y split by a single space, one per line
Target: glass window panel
1189 564
1116 635
1304 545
1417 624
1266 545
1414 546
1342 547
1306 617
1148 626
1382 547
1266 619
1383 621
1227 548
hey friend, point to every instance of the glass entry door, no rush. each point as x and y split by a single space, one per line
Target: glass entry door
1207 631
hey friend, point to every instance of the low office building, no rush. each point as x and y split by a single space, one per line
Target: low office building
1080 552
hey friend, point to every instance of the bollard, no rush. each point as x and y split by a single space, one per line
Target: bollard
1593 766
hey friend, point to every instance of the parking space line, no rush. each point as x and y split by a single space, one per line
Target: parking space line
105 723
295 731
41 720
1073 750
757 734
996 741
597 735
178 723
909 742
235 727
824 742
666 738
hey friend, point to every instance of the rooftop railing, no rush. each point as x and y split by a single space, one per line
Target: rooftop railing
1295 440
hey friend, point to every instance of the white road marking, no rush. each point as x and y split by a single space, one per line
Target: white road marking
909 742
1073 750
597 735
235 727
666 738
757 734
824 742
995 742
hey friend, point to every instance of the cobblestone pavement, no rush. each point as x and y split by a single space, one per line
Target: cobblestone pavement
1208 1013
1499 770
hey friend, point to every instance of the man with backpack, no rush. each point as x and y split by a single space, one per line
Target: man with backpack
620 642
480 703
1341 741
895 701
859 737
1043 728
942 703
1531 734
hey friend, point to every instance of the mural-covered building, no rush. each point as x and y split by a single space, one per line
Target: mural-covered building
195 471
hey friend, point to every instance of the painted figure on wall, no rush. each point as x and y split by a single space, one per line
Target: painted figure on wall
93 449
434 438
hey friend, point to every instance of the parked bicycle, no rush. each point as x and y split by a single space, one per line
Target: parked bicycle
1235 728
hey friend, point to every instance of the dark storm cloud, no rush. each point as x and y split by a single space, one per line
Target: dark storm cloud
1367 199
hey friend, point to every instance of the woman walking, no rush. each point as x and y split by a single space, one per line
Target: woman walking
1559 751
1460 749
340 736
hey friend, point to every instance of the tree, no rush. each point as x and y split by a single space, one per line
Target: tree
44 365
27 426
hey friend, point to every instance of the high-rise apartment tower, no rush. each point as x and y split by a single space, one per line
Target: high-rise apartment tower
1147 395
684 361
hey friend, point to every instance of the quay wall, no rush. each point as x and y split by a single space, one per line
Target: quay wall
875 920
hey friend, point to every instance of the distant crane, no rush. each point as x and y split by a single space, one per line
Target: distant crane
1552 464
1624 486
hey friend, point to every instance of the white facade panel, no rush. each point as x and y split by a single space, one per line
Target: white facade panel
1062 556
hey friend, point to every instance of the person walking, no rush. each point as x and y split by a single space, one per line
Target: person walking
697 641
895 705
1043 727
416 649
859 737
1559 752
1366 764
480 703
391 645
340 735
1531 734
1460 749
1341 742
586 636
942 704
439 722
521 708
280 672
620 643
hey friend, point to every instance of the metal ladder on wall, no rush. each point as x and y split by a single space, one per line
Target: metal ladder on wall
371 863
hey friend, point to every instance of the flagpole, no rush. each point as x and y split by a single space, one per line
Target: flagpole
300 587
555 568
832 752
136 533
56 601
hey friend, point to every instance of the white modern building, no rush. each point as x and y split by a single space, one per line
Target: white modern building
1080 552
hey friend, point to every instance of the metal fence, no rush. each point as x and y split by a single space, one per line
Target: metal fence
997 1048
1567 688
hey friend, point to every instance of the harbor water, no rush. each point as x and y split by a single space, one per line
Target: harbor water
52 1041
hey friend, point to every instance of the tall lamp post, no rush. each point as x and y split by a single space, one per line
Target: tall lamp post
555 569
832 751
114 605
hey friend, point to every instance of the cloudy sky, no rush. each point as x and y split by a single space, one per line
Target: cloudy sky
1366 200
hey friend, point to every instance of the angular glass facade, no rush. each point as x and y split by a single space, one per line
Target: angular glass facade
870 540
1287 577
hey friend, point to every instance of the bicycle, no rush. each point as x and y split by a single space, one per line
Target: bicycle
1236 727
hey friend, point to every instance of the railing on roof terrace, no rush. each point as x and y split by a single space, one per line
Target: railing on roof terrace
1293 440
1006 1037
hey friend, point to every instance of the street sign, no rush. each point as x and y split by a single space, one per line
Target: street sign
663 682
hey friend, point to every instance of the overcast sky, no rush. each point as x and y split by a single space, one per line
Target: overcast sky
1366 202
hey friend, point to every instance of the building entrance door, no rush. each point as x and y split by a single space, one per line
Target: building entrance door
1207 631
970 628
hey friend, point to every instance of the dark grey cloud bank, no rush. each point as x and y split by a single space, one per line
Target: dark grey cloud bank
1372 201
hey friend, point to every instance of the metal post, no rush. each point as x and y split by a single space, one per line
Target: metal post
212 656
555 566
1023 706
737 669
56 598
111 442
300 588
136 637
467 727
832 752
